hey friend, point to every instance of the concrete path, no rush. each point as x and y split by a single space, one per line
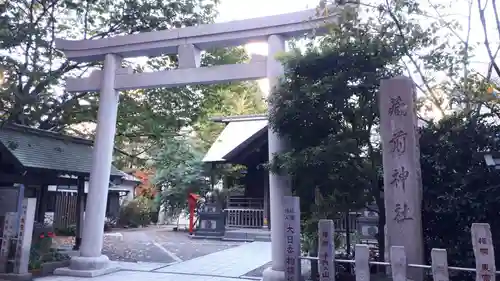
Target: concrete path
142 276
233 262
180 247
227 265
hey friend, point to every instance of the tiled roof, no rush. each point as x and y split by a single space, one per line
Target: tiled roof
235 134
40 149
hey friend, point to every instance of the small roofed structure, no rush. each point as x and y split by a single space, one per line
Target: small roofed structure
36 159
244 141
238 137
32 152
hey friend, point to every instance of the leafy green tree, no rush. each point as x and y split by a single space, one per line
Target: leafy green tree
180 171
439 47
332 89
328 111
230 100
33 92
33 95
35 69
149 117
189 148
458 188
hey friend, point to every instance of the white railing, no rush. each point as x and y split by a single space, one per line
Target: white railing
399 268
244 218
254 218
239 202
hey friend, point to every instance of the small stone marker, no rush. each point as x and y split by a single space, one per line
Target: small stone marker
387 250
8 232
24 242
439 265
398 263
326 250
291 206
483 252
362 258
401 165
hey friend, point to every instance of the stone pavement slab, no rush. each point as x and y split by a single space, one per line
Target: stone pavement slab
181 247
227 265
142 276
140 266
233 262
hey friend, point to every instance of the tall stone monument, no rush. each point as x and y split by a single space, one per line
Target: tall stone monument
401 164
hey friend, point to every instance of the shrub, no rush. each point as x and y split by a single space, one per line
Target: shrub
136 212
37 258
41 229
70 230
154 216
42 236
110 223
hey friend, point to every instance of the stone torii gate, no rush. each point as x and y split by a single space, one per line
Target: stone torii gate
187 43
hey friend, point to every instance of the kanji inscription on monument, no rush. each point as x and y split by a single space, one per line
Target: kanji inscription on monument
401 164
398 142
292 238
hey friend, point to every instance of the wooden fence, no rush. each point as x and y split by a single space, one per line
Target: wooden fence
65 209
400 269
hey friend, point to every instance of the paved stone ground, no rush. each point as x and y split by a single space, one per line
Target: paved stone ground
135 246
227 265
185 248
258 271
153 244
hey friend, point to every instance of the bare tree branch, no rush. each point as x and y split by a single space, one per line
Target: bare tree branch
482 16
434 98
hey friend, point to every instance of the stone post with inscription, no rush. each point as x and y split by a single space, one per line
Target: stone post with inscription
326 250
440 265
401 164
484 253
291 241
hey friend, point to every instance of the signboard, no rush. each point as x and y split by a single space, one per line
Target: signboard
326 250
291 206
483 252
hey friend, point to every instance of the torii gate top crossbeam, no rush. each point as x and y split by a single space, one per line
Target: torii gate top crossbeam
234 33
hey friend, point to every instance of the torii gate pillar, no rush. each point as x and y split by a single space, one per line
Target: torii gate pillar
279 185
91 262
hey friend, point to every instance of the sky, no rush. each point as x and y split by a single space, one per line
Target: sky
230 10
244 9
